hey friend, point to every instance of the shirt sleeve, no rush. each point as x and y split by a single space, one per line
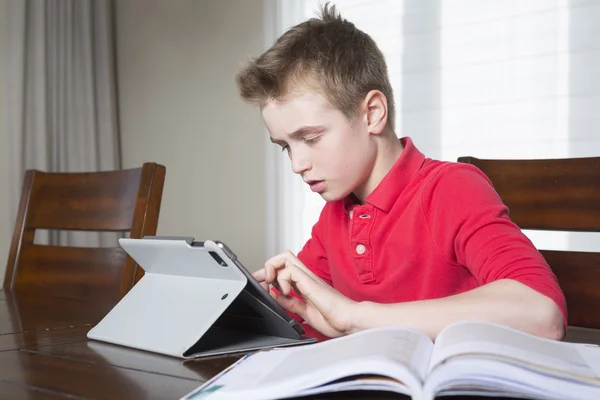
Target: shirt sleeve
313 254
470 224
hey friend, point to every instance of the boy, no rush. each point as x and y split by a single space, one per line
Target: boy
403 239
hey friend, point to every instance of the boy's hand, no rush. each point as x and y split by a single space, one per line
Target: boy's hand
265 285
324 308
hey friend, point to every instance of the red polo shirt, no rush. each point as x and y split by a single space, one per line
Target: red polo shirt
430 229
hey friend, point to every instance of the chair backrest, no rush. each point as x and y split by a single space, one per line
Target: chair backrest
118 201
556 195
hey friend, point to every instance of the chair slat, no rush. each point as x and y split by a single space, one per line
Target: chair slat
83 273
556 194
102 201
579 276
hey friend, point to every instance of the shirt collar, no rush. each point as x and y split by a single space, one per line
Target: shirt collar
395 181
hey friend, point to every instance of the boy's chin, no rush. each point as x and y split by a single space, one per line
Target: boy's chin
329 196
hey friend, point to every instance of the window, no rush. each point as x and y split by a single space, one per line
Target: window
487 78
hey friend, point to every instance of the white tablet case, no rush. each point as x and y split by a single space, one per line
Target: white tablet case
172 309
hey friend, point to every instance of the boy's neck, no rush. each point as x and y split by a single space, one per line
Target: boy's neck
389 151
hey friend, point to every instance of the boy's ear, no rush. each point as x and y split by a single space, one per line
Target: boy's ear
377 111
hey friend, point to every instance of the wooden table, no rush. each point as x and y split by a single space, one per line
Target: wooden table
44 354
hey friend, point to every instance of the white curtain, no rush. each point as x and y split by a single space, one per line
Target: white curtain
486 78
61 95
286 206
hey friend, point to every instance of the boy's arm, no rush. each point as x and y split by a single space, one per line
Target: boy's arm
504 301
470 227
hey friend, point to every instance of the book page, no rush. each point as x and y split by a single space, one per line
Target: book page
402 354
483 338
403 346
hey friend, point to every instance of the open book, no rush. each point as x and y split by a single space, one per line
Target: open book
468 358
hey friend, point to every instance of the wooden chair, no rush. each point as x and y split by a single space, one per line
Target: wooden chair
119 201
556 195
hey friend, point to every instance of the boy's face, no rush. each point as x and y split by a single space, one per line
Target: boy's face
333 155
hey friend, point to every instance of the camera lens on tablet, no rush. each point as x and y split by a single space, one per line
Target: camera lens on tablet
217 258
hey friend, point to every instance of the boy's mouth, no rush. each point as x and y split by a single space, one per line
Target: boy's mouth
316 186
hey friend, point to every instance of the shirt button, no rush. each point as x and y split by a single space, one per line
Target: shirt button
360 249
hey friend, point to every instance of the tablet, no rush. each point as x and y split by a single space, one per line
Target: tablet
255 293
195 299
255 288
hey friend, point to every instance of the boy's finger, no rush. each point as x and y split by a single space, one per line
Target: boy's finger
295 262
277 261
285 284
287 258
259 275
270 274
292 304
276 286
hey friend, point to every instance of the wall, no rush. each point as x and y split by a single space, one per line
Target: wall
176 63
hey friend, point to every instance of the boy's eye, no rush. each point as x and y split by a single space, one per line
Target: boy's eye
312 140
285 147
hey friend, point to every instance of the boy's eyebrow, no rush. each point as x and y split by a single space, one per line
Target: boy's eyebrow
298 133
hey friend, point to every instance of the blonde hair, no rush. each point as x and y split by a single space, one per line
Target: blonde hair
330 54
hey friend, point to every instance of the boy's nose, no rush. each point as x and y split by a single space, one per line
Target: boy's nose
300 164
